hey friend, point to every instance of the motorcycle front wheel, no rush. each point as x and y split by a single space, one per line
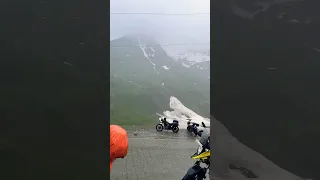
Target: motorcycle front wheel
159 127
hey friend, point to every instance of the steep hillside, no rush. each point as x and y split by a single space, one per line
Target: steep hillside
144 76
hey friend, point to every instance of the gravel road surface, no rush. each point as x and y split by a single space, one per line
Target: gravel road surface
155 155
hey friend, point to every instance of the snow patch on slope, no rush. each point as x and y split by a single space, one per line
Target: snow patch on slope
182 113
165 67
193 59
143 47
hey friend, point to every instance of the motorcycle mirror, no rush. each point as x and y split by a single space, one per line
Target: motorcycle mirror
198 142
203 124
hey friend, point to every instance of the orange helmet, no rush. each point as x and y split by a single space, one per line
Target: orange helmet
118 143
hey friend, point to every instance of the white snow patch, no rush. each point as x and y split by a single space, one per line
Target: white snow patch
163 84
146 55
193 57
165 67
152 49
185 65
182 113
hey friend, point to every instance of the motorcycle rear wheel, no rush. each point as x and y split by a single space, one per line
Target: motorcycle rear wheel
175 129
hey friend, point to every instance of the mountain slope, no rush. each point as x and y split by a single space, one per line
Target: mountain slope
144 77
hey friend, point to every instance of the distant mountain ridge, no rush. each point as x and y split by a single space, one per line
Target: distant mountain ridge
153 51
140 67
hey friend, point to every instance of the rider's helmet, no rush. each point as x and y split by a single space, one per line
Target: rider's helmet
164 120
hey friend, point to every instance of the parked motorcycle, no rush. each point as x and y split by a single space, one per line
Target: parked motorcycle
164 124
202 156
192 127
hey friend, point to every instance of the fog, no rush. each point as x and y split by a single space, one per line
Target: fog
166 29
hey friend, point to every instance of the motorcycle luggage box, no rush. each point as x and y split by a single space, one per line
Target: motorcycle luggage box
175 122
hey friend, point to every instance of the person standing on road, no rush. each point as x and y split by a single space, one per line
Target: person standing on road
118 143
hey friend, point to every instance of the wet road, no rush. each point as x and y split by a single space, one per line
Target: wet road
165 155
155 155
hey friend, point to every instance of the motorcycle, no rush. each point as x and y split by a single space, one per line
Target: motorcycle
164 124
192 127
202 156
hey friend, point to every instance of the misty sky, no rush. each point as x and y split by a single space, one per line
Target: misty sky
165 29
